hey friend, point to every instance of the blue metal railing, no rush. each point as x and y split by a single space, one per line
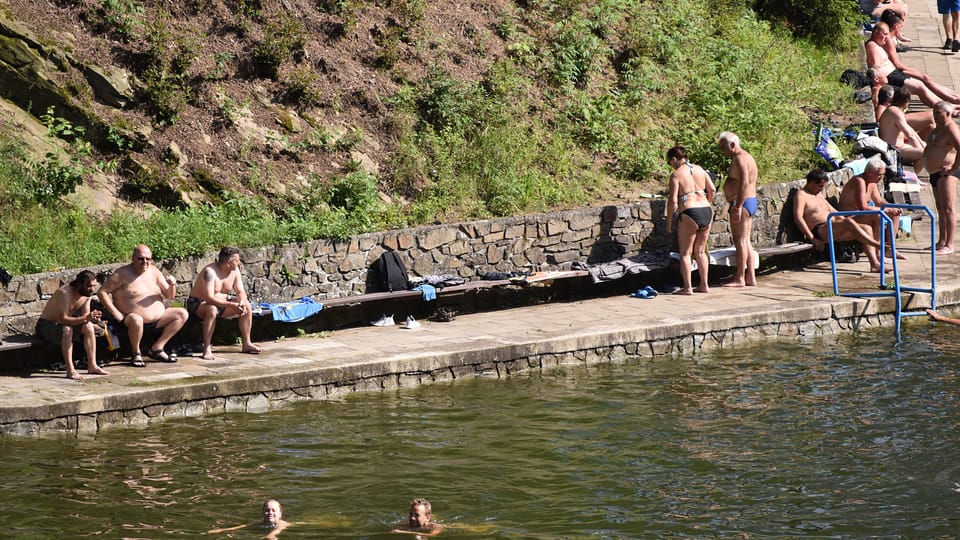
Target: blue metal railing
886 230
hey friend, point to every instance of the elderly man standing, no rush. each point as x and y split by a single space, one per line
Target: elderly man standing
942 160
67 317
210 299
135 295
740 190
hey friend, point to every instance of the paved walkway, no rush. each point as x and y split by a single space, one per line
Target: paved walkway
786 303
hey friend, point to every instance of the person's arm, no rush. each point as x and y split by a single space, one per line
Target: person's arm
863 198
435 529
672 201
942 318
217 531
168 285
105 295
912 137
241 291
799 204
708 187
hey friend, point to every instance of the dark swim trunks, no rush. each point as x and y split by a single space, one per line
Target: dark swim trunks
702 216
52 332
193 303
750 205
897 78
816 231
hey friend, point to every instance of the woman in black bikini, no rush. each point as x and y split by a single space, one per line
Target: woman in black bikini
689 207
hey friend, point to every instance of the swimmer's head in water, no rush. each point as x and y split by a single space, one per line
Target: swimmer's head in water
272 513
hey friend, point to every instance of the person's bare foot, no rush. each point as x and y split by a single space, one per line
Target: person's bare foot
684 292
75 375
876 270
702 289
945 250
251 349
734 284
207 354
97 370
751 284
900 256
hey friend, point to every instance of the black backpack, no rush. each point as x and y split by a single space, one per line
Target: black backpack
391 274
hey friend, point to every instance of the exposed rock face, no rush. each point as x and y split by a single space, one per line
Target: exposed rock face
27 70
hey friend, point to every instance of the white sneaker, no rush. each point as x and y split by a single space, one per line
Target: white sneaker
384 321
411 323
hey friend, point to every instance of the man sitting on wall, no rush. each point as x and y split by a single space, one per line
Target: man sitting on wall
210 299
67 318
810 211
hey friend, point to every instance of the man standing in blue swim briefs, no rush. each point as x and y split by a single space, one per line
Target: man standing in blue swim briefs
740 190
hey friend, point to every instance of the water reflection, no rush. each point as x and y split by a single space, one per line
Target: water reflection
848 438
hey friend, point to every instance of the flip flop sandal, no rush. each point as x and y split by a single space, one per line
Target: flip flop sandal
642 293
162 356
137 361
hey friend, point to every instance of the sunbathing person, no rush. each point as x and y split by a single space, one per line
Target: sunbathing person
876 8
895 128
941 158
861 193
210 299
810 213
67 318
883 58
134 296
689 207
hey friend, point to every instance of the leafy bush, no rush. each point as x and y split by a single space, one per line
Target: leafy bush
828 23
283 34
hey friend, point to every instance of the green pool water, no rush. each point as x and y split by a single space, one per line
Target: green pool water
851 437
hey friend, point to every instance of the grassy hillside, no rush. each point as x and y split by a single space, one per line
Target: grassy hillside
259 121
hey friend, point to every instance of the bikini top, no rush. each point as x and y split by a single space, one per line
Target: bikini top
685 196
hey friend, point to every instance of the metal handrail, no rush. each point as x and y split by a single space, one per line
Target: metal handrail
885 229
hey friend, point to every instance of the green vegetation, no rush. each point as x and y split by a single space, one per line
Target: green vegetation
582 102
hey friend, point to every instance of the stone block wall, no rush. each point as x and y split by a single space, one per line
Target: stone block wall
334 268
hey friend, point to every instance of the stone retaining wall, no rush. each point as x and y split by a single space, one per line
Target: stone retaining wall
328 268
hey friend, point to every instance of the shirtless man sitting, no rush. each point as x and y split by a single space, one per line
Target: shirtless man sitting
895 128
883 58
810 213
862 193
135 295
210 299
942 160
67 317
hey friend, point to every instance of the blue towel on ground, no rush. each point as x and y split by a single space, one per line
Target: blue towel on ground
294 311
429 291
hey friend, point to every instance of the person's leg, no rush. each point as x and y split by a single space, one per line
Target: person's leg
246 324
703 262
208 316
170 322
750 275
946 210
686 230
741 244
947 30
955 26
946 94
923 93
134 324
90 345
66 347
849 229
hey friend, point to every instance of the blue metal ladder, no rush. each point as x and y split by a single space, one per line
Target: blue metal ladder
887 229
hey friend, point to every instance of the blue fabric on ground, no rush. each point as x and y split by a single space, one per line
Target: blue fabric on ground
294 311
429 291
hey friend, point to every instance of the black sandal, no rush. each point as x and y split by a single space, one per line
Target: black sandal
137 360
162 356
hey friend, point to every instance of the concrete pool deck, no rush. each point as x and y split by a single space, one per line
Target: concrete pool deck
786 304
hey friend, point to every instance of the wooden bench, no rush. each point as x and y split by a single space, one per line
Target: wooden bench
19 342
